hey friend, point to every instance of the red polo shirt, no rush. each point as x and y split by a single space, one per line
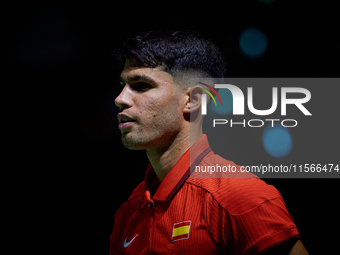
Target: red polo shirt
188 215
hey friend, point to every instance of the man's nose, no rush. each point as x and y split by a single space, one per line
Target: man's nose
124 100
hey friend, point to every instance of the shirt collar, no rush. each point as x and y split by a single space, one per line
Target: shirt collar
177 175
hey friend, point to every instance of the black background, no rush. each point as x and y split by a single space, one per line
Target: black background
69 172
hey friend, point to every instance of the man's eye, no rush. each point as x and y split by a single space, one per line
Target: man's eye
141 86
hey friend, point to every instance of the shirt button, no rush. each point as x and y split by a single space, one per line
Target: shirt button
151 204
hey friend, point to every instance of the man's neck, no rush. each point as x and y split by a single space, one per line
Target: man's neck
163 160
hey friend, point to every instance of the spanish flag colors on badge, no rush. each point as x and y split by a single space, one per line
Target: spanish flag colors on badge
180 231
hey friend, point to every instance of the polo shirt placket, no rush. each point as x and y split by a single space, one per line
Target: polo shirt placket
165 193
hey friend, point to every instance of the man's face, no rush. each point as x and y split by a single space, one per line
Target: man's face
151 108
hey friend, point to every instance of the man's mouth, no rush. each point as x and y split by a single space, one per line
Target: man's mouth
124 121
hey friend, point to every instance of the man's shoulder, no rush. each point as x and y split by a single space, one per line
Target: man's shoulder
236 191
237 195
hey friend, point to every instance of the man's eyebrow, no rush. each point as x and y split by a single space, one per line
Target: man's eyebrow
137 78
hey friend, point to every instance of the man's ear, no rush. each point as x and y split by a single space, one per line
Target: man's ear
194 99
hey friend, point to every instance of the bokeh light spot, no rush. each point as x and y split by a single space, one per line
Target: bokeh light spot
277 141
253 42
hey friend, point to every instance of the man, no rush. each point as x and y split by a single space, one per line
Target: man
171 212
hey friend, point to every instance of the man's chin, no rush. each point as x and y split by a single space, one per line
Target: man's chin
132 144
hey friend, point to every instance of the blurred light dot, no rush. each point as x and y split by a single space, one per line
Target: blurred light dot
253 42
277 141
227 103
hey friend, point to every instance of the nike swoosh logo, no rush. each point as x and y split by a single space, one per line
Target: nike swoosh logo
126 244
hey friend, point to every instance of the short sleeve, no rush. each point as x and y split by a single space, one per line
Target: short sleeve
250 224
265 226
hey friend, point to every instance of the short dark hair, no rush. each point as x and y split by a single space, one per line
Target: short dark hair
174 51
